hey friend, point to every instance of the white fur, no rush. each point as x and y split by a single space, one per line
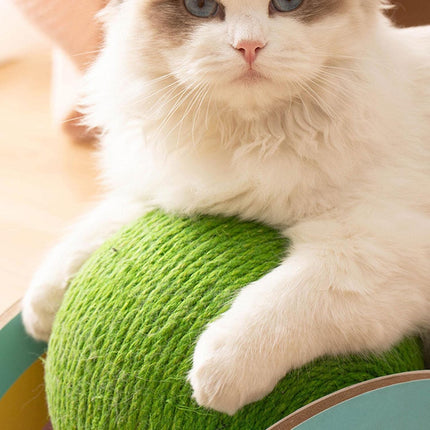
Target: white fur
332 149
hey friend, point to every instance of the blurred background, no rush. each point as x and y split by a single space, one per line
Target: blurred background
47 173
47 168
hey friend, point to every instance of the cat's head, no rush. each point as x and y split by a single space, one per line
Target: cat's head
247 55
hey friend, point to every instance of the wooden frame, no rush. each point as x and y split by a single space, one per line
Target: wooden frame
314 408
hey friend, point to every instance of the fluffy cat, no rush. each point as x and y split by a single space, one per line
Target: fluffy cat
312 116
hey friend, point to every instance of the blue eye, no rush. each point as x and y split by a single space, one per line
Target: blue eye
201 8
286 5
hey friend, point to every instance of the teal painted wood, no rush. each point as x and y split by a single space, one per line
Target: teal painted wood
18 352
396 407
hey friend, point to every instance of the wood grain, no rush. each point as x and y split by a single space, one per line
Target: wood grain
46 180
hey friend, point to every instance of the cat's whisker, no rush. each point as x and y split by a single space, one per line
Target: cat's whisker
164 76
378 62
202 97
161 102
335 56
208 105
168 91
328 84
197 95
194 95
196 114
337 75
338 68
159 79
314 96
182 97
305 107
84 53
341 93
152 94
72 119
177 102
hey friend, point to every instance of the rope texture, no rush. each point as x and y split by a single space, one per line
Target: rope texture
123 340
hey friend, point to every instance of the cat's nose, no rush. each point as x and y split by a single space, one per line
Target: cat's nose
249 49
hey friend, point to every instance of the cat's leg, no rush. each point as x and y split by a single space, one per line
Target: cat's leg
341 290
43 298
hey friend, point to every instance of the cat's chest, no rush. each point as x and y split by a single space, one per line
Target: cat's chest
277 190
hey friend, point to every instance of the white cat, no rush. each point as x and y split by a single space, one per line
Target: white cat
312 116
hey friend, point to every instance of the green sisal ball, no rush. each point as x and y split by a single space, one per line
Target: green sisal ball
123 339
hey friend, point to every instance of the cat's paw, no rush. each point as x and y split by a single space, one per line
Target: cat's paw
36 318
42 301
228 370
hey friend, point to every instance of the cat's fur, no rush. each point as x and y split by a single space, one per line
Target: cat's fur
331 147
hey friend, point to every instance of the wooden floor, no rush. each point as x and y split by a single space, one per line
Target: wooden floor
46 180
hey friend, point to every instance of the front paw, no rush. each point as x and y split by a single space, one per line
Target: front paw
41 303
37 317
229 369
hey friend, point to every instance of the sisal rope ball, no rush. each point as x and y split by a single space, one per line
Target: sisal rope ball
123 340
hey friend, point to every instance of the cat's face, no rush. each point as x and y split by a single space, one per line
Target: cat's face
247 54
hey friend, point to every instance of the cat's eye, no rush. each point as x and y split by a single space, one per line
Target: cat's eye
285 5
202 8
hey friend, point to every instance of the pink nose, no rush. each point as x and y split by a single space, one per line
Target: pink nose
249 49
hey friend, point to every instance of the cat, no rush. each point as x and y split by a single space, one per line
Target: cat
312 116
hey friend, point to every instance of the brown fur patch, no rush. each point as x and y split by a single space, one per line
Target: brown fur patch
314 10
172 23
170 20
